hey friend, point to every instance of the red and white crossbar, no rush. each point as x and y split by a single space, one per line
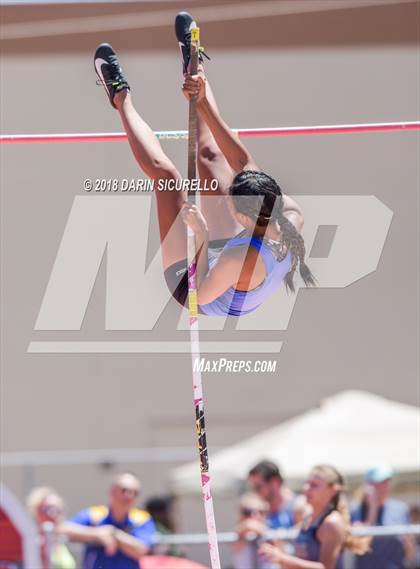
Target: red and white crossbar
243 133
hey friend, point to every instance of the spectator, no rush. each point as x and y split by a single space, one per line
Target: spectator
162 510
413 544
118 535
252 526
47 508
378 508
266 480
326 532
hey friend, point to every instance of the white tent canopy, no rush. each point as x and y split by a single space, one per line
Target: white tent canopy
354 431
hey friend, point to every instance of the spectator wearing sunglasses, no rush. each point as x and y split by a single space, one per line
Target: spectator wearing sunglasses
251 528
47 508
117 535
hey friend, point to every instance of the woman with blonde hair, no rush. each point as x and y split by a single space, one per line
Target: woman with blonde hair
47 508
326 532
251 528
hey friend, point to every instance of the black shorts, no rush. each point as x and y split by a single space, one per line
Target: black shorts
176 275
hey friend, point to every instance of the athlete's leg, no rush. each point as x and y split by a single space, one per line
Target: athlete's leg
155 164
212 165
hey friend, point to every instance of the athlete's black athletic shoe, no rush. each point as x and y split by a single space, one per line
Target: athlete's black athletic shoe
109 71
184 23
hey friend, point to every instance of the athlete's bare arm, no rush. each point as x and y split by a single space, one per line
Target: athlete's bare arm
331 535
219 278
234 151
293 212
240 267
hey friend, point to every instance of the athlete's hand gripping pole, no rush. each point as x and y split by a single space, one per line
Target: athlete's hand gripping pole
193 316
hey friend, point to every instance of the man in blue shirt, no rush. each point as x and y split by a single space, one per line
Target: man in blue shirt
266 480
118 535
378 508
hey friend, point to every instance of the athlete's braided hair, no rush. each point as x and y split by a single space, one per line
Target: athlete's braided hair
266 207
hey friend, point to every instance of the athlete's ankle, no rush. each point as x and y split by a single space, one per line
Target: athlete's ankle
121 98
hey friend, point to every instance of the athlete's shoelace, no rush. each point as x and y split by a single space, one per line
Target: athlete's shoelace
119 81
201 52
115 72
